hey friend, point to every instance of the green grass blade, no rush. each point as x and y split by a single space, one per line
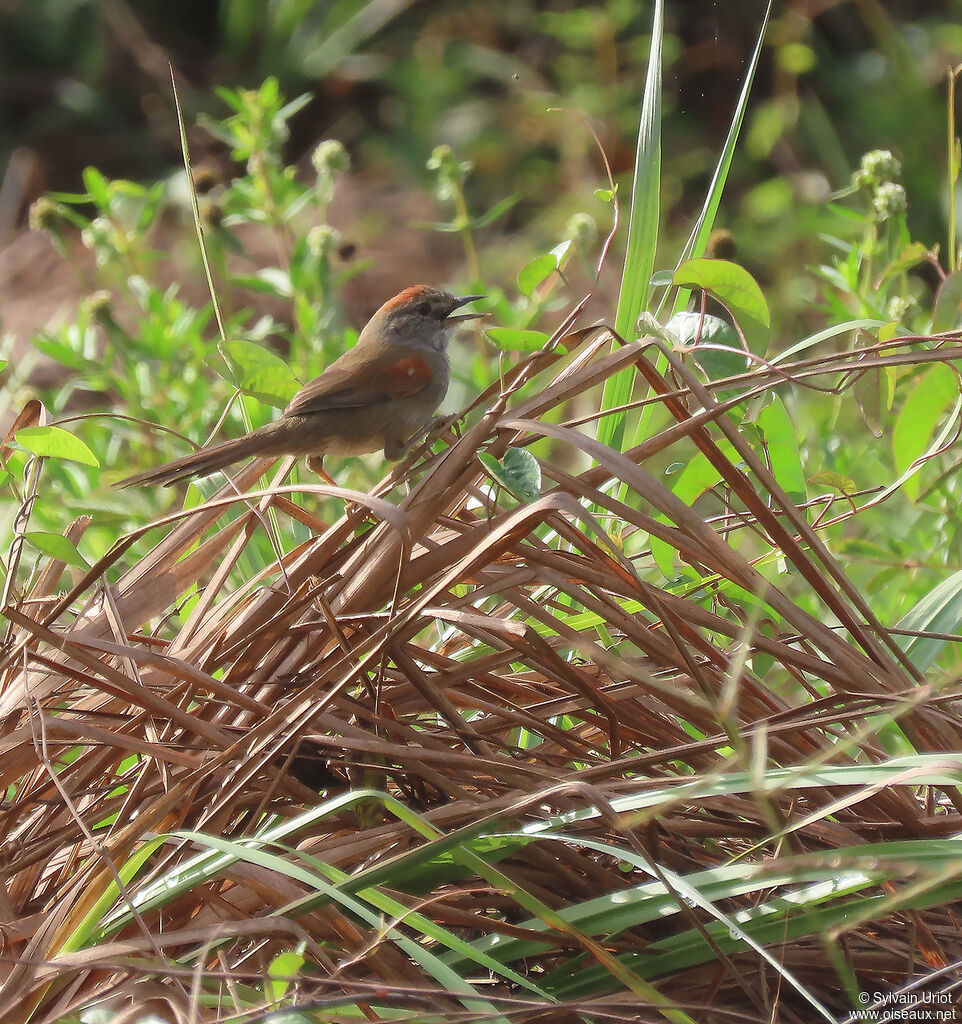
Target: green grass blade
642 232
450 980
726 927
695 246
940 611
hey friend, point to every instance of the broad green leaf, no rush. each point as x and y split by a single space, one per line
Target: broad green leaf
699 474
782 447
516 339
56 443
519 472
533 273
948 304
694 328
538 269
280 973
260 373
707 330
56 546
561 251
834 481
940 611
730 284
925 405
874 391
695 479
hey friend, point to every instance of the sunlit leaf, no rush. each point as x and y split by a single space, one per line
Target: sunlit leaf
97 189
781 445
533 273
260 373
730 284
926 404
538 269
268 281
280 973
56 443
834 481
516 339
56 546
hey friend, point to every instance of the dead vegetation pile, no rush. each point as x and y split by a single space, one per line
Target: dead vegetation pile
504 671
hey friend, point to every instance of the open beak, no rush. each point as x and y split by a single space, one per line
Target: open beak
464 316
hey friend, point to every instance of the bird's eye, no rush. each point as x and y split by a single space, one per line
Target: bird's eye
424 308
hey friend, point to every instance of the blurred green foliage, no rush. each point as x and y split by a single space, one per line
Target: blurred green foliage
393 80
461 97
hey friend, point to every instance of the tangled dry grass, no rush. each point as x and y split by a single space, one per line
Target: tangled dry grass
553 732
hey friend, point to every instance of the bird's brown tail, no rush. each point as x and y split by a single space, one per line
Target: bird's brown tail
266 440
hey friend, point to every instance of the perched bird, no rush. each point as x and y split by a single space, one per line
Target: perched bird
381 393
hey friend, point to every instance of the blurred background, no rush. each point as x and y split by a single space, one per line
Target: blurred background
108 309
87 82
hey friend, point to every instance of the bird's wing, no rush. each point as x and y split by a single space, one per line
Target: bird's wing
353 381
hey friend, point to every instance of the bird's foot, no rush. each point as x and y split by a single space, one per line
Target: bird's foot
315 463
439 426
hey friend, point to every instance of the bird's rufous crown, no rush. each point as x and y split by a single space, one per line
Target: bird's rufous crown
408 295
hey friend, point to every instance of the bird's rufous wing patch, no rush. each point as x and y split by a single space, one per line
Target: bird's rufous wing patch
407 376
338 388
